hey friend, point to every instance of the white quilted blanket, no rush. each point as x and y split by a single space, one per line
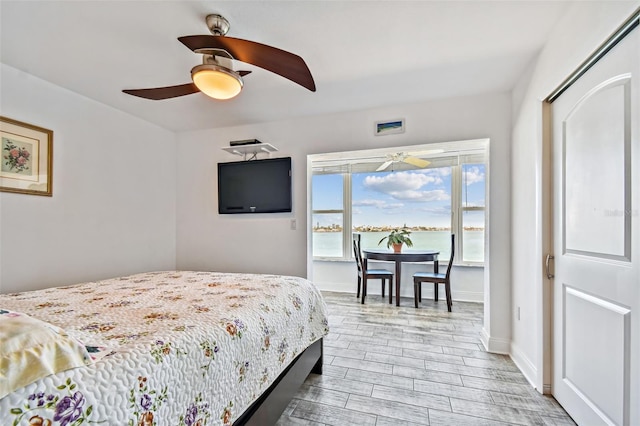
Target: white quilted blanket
170 348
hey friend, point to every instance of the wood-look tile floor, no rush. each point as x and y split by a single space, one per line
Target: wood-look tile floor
389 365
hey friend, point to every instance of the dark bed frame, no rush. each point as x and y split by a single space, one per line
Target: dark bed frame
268 408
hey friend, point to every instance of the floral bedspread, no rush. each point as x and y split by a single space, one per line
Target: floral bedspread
170 348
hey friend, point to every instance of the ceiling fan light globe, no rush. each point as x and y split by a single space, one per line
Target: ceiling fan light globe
216 81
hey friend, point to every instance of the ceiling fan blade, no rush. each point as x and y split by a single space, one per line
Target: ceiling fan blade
285 64
160 93
384 166
415 161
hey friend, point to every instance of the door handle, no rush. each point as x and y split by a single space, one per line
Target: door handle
546 264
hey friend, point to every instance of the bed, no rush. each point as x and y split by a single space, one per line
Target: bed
161 348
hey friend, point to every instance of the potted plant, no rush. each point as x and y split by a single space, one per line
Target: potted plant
396 238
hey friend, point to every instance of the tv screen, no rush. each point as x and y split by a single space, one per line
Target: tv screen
258 186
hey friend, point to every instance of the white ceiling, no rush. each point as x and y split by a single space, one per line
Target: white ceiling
362 54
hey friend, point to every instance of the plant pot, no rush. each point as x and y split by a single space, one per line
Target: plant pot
397 248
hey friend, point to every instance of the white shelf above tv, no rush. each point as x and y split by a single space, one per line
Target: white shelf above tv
254 149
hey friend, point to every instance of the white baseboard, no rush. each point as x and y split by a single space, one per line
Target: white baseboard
457 296
427 293
467 296
495 345
337 287
525 365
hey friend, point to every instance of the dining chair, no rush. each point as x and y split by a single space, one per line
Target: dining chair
365 274
436 279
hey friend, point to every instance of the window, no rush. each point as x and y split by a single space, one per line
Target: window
350 195
472 211
328 215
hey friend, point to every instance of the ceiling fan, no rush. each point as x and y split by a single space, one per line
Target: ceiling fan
405 158
215 77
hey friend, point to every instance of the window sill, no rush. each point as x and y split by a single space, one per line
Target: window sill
344 260
332 259
469 265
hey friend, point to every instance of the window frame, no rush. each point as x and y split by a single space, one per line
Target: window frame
457 207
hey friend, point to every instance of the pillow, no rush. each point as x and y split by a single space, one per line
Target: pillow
31 349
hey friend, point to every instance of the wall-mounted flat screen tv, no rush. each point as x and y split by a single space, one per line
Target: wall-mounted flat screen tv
258 186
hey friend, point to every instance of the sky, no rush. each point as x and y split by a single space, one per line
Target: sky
417 197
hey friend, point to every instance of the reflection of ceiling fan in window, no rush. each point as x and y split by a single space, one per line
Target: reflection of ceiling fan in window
407 157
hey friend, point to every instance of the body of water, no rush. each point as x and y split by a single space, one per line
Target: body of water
328 244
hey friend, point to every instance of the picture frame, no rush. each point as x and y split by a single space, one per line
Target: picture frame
26 158
389 127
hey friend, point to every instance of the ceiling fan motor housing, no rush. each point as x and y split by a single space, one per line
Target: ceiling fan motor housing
218 24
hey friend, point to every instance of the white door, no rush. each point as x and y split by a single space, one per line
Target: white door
596 307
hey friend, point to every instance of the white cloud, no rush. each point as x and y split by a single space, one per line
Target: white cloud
379 204
398 182
410 195
472 175
437 211
393 206
437 174
407 186
477 203
369 203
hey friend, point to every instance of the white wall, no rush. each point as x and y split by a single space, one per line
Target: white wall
266 244
126 199
582 29
113 207
341 276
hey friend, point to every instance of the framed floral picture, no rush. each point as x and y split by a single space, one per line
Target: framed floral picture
26 152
